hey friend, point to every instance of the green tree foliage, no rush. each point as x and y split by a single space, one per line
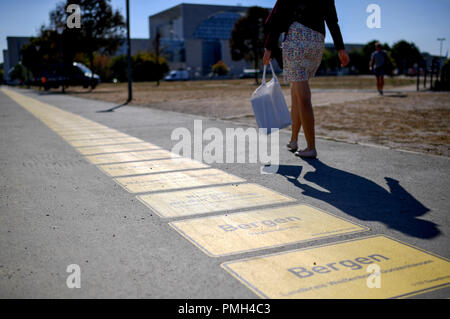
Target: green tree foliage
101 32
330 61
44 49
19 72
405 55
247 37
220 68
102 28
146 67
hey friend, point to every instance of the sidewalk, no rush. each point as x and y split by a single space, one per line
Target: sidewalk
399 194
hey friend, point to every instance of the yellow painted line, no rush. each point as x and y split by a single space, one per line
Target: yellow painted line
340 270
130 156
260 229
176 180
90 150
105 141
211 199
147 167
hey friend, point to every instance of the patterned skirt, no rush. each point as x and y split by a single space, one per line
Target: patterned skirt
302 53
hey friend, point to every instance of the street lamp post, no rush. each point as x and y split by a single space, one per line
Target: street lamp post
441 40
60 31
130 89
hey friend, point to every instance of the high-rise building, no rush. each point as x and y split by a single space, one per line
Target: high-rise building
194 36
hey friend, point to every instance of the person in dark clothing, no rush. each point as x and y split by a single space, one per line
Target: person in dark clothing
303 23
378 62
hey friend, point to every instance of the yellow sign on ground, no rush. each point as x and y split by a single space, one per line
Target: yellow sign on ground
176 180
90 150
79 129
105 141
373 267
147 167
211 199
83 130
93 136
130 156
242 232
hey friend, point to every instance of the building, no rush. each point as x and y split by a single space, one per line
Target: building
12 55
137 46
194 36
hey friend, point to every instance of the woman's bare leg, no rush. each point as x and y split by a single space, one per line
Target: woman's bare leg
302 94
295 116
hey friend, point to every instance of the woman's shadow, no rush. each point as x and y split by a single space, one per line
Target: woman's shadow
364 199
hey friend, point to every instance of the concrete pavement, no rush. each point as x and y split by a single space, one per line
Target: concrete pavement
58 209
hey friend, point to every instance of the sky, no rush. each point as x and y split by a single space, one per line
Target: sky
419 21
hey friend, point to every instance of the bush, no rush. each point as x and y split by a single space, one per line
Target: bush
102 67
147 68
144 67
220 68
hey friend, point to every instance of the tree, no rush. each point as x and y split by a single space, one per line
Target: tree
19 73
44 49
405 55
102 28
247 37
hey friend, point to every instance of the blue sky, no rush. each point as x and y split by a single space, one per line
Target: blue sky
413 20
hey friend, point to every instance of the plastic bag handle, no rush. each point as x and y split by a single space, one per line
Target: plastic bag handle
264 73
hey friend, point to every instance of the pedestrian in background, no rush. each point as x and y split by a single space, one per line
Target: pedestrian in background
378 62
303 22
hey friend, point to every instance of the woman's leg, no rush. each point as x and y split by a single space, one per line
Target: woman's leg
302 94
295 115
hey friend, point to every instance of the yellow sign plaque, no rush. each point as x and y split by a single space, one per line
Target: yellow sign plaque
373 267
148 167
130 156
176 180
93 136
84 130
211 199
105 141
90 150
242 232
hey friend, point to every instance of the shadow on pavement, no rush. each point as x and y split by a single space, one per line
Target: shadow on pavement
364 199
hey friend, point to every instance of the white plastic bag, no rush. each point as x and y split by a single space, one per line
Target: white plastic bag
269 105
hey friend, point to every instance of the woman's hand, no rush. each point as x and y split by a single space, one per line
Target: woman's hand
267 56
343 56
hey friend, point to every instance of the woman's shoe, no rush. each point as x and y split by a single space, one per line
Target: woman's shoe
307 153
292 146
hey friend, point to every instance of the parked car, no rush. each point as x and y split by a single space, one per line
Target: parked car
54 75
249 74
179 75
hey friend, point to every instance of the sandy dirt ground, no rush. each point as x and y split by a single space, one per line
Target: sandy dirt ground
346 108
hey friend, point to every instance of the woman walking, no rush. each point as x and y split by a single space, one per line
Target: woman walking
303 22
